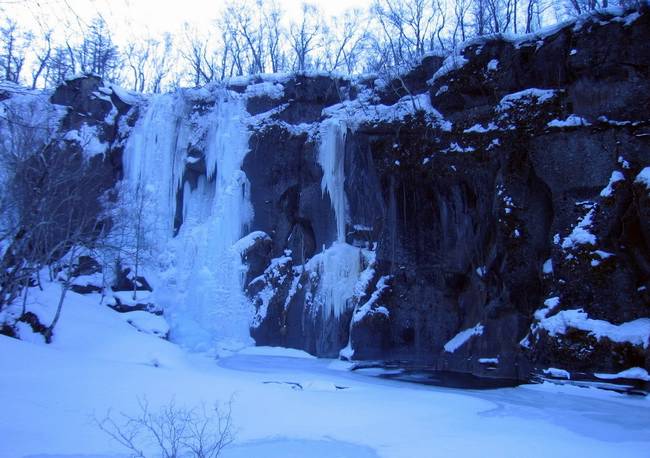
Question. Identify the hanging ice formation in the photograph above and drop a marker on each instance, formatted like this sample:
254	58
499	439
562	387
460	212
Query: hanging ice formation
331	157
201	274
340	265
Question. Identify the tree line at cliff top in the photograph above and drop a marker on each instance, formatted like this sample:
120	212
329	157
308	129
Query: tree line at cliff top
257	36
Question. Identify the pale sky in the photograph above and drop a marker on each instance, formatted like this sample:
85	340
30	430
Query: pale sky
129	19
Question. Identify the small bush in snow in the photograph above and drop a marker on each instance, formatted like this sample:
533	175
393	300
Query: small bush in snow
172	431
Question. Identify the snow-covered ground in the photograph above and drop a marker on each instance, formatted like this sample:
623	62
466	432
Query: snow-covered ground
286	403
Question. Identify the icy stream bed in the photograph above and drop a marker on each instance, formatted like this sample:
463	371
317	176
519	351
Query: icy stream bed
286	403
298	407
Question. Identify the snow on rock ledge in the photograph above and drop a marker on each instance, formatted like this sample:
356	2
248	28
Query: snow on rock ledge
525	97
462	337
609	189
557	373
644	178
275	351
635	332
247	242
147	322
637	373
580	234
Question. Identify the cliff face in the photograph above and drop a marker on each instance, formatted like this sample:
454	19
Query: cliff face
500	215
484	213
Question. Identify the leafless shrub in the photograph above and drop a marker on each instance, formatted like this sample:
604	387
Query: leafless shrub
172	431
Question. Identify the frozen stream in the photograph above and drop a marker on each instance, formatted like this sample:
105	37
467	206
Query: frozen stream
286	403
589	413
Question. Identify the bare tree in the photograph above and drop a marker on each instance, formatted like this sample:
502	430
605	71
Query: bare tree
303	36
54	206
249	27
481	18
137	57
233	57
461	12
577	7
174	431
197	53
275	34
43	55
250	37
55	218
493	8
14	47
58	67
128	240
344	40
26	131
149	62
96	53
161	65
534	11
102	54
409	28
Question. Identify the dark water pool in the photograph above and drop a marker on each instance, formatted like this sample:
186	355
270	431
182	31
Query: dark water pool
432	377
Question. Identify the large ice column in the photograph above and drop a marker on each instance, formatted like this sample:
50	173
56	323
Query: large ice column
154	160
215	313
331	157
200	274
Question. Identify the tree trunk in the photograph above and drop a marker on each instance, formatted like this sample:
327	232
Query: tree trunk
26	289
50	329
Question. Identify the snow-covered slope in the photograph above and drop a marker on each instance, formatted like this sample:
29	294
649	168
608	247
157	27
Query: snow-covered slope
283	405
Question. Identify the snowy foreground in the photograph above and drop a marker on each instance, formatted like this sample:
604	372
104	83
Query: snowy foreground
50	395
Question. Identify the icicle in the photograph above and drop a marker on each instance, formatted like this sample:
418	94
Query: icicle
331	157
339	269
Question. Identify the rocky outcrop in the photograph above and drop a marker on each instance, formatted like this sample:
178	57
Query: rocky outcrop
472	211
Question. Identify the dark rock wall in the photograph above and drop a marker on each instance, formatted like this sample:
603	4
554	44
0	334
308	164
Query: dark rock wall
464	235
286	192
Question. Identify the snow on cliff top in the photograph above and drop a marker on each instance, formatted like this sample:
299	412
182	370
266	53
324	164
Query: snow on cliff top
14	89
602	16
456	58
359	111
126	96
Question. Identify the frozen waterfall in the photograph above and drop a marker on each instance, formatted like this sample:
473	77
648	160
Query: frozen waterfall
339	266
187	151
331	157
200	282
